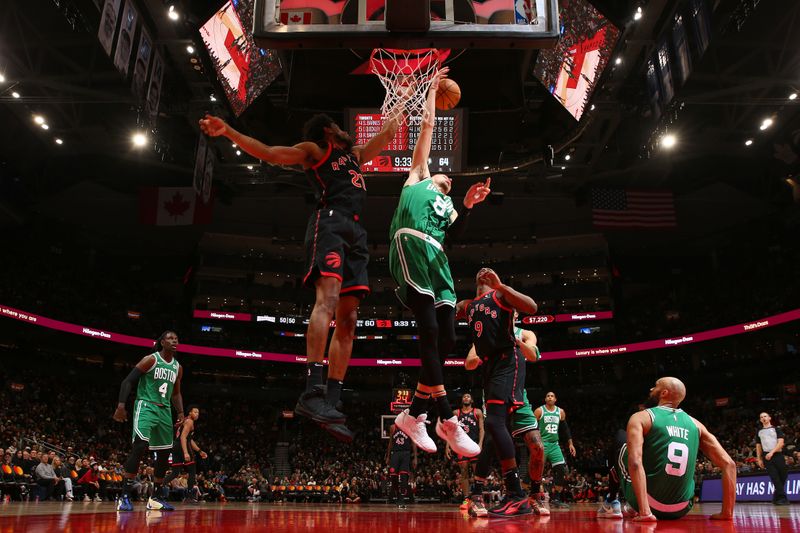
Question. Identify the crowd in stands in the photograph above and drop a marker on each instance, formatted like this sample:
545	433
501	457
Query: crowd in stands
59	444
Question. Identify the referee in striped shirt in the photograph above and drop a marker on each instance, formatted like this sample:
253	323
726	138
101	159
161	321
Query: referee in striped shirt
769	448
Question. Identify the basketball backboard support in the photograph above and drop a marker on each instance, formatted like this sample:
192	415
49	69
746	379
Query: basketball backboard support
359	24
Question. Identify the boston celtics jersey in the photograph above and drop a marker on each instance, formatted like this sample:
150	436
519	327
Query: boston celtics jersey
518	336
669	455
156	385
424	208
548	424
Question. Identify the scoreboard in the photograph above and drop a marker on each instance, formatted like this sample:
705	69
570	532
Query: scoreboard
401	399
446	145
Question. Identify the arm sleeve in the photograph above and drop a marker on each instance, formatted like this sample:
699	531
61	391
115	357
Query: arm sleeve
457	228
563	431
127	384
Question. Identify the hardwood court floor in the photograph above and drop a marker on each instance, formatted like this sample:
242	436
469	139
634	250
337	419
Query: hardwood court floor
375	518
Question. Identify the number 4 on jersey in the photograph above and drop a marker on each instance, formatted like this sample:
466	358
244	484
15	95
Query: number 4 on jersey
163	389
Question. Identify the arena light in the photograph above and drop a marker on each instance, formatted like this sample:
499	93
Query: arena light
45	127
748	142
213	98
238	152
2	78
791	96
190	49
59	141
618	61
567	157
249	167
638	14
563	168
766	123
173	13
39	119
15	94
591	108
486	167
669	141
139	139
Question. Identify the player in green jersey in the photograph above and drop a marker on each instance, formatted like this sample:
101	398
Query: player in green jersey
158	390
656	465
417	260
553	423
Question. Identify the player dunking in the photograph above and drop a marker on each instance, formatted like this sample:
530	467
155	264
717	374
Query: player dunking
418	263
336	248
183	453
523	425
553	421
398	457
471	420
655	468
159	388
491	321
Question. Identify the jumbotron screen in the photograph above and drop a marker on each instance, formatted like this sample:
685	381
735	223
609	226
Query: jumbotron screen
446	146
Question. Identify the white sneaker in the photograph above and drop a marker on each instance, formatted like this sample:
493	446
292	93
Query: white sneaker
610	510
86	498
452	432
415	428
98	499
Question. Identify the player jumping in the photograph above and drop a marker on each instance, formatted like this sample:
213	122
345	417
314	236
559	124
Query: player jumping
336	248
417	260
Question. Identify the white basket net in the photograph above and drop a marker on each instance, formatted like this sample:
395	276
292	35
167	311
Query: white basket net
406	75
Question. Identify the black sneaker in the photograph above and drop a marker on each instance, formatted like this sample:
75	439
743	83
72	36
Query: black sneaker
511	506
339	432
313	405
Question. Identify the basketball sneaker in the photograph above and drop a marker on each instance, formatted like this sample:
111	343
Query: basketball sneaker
628	511
452	432
124	503
315	406
476	506
415	428
511	506
464	505
540	503
339	432
157	504
610	510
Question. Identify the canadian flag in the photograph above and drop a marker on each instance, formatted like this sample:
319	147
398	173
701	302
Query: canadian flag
296	17
173	206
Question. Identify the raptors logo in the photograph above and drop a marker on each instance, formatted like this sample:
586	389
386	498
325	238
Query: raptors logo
333	260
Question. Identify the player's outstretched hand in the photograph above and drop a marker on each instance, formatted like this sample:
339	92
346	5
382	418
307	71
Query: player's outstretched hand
438	77
489	277
721	516
120	415
477	193
213	126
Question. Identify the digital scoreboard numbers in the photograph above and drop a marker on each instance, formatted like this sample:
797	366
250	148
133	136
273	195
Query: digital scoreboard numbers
401	399
446	145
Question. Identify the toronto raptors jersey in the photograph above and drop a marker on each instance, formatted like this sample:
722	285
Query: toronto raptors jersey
491	324
469	422
400	441
338	182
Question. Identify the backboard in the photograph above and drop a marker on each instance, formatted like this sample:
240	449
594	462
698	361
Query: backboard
359	24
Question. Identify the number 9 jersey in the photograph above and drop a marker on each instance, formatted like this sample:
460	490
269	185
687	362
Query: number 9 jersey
669	456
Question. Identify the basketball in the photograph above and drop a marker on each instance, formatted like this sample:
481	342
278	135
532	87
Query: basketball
448	95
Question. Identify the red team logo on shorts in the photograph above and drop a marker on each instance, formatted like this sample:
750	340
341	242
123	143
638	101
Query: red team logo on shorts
333	260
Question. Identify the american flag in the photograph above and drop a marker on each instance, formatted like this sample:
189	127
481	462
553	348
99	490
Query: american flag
625	208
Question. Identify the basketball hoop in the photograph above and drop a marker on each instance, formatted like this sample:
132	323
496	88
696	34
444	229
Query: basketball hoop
406	75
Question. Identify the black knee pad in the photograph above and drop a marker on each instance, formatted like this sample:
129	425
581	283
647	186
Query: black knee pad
559	473
138	451
162	461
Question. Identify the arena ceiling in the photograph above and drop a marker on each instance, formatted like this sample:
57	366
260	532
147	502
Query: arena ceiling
50	55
